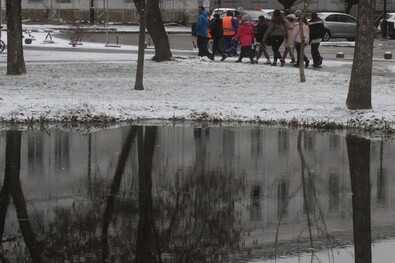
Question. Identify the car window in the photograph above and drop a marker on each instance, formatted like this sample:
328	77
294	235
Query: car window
348	19
333	18
254	14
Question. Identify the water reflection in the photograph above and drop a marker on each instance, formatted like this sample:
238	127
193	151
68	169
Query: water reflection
359	163
181	194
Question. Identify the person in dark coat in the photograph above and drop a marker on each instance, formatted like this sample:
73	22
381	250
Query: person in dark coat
202	26
278	33
261	29
217	31
317	31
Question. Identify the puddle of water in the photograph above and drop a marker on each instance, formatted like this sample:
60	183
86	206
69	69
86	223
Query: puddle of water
184	194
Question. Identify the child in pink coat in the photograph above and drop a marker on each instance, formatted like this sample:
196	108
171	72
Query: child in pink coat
245	33
298	42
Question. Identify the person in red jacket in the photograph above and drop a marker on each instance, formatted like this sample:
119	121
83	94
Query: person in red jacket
245	34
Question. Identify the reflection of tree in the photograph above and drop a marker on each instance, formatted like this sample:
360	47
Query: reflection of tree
200	210
307	204
200	218
13	183
381	178
115	190
74	232
311	204
359	162
147	242
4	201
190	219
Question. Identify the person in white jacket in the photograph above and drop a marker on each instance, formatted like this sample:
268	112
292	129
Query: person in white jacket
298	42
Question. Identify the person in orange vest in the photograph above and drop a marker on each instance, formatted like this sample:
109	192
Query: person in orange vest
230	25
217	31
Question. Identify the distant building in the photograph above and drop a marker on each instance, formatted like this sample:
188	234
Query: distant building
172	10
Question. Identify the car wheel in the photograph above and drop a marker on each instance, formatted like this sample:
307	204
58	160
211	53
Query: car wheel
326	36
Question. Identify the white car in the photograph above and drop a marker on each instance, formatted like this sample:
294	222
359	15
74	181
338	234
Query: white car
338	25
253	14
390	17
270	11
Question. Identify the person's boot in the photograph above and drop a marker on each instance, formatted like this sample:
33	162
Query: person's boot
268	62
224	56
292	61
282	62
306	63
274	64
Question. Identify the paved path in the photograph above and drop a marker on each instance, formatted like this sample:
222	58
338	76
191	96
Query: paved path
183	44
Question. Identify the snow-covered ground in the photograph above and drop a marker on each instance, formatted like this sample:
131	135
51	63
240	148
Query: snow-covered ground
66	85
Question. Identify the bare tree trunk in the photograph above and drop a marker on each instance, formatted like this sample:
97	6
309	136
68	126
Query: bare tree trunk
360	89
115	190
156	30
15	59
301	56
139	85
13	164
302	43
359	163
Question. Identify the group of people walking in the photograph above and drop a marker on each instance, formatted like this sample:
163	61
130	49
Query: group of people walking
282	29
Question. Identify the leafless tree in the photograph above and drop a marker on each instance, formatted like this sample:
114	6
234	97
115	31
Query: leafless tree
360	89
15	59
302	44
156	29
139	84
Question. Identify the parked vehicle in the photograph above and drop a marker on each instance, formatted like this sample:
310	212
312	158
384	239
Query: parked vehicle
270	11
2	44
390	17
338	25
253	14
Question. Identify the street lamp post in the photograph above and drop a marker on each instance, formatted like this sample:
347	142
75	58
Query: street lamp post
1	12
91	13
106	3
384	24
